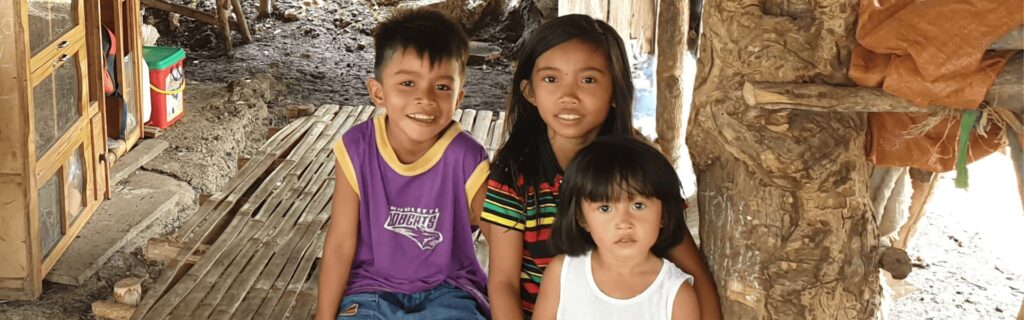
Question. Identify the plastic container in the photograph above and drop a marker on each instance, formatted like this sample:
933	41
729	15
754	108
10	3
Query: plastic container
167	84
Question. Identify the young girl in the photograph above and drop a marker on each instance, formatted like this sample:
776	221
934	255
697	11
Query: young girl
622	213
571	85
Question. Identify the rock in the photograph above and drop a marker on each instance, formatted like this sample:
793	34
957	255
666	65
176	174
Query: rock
294	14
896	262
480	52
467	12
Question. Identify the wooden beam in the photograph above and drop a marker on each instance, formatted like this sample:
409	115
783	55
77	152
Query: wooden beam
923	184
241	21
182	10
1013	40
1020	315
1006	92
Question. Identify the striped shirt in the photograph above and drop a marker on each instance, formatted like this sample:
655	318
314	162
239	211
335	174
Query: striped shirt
531	212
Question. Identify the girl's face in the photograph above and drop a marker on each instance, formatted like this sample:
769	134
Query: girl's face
571	86
625	227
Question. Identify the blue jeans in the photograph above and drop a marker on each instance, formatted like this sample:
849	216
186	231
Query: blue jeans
442	302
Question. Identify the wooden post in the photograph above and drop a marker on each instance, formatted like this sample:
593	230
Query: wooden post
673	24
128	291
223	23
785	220
243	24
266	8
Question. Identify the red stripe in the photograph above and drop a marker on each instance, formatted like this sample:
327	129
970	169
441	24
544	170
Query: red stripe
531	287
537	236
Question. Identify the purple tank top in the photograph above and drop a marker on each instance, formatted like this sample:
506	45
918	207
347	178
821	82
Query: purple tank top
414	231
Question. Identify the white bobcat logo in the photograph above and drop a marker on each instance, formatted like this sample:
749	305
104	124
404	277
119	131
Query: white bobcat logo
417	224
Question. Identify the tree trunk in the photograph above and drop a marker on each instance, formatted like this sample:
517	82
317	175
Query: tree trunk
786	220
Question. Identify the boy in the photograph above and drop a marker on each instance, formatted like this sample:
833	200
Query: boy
409	186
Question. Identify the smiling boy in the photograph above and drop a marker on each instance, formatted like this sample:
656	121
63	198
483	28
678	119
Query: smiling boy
408	186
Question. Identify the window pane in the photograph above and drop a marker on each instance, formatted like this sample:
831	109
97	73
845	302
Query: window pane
68	95
45	125
49	215
48	20
75	185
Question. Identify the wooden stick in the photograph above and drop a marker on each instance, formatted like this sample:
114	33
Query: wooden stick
112	310
923	189
223	24
266	9
242	22
128	291
822	97
182	10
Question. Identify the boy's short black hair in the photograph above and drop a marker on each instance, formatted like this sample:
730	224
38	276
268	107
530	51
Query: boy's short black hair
429	32
612	168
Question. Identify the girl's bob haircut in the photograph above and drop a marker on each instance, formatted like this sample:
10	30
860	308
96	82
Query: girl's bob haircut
613	168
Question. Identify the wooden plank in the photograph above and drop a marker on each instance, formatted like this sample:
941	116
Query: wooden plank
481	125
266	292
379	111
218	272
468	116
305	302
176	272
164	251
233	297
457	115
287	300
290	134
364	113
497	136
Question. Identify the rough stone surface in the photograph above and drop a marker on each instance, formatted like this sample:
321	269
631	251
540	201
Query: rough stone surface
215	131
147	205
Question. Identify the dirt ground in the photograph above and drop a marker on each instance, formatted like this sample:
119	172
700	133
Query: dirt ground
967	267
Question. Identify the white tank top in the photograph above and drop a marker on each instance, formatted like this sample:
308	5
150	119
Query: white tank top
580	297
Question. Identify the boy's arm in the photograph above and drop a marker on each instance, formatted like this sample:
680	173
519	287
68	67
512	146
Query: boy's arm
506	257
686	257
550	289
339	247
685	306
477	206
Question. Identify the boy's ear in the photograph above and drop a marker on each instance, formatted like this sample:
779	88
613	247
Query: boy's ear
376	90
528	92
458	99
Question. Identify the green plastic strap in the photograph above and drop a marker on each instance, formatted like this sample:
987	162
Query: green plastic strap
967	122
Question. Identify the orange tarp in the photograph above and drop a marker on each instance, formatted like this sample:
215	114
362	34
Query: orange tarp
930	52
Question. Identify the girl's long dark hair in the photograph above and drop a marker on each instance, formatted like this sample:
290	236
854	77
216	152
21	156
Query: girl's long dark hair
520	155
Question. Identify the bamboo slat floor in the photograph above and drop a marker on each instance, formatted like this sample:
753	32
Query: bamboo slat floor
260	239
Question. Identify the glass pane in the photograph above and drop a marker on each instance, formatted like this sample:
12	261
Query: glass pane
45	124
48	20
68	95
131	108
75	185
49	215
